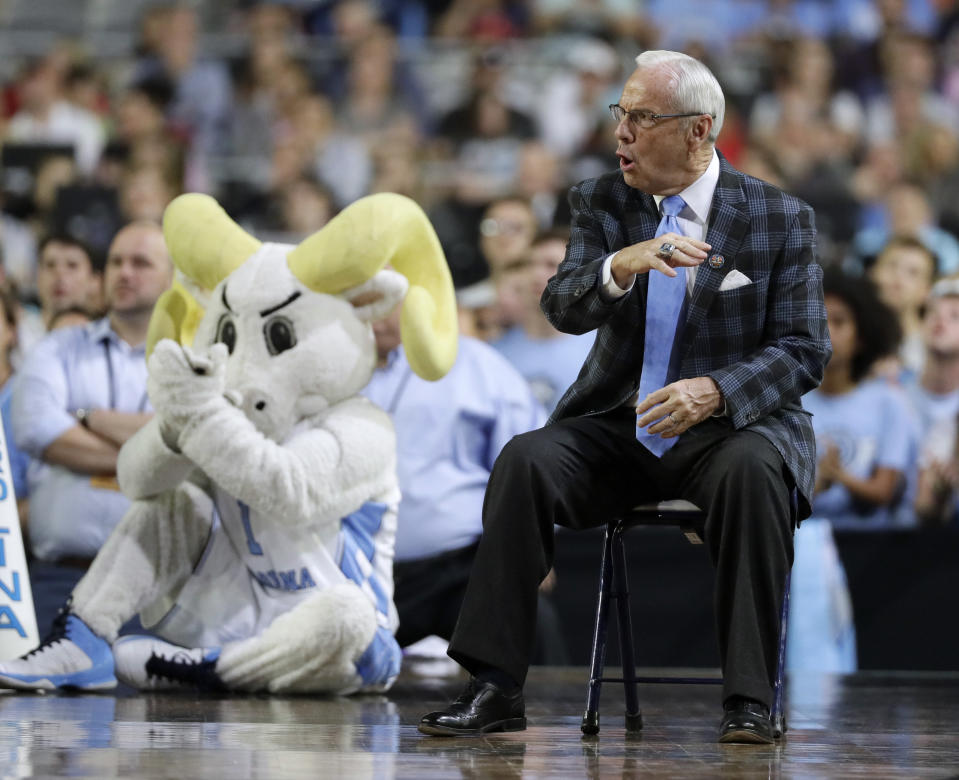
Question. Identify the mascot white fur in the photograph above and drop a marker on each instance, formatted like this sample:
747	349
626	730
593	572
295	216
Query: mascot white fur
259	544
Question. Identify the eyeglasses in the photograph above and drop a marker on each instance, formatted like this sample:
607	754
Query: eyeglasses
497	227
640	117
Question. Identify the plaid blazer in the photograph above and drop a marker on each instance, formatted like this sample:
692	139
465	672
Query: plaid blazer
765	343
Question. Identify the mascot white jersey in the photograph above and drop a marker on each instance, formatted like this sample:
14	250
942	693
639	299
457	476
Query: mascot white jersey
259	544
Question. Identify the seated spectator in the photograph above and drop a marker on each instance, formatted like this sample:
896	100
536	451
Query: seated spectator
257	77
54	173
805	96
46	117
340	161
934	397
66	277
866	443
506	233
377	95
483	136
869	31
864	428
539	181
456	219
142	131
448	434
80	395
909	101
145	191
579	94
283	129
27	471
548	359
202	95
906	212
18	253
903	274
809	132
399	169
306	206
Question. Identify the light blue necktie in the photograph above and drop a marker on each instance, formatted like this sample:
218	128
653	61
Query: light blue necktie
664	302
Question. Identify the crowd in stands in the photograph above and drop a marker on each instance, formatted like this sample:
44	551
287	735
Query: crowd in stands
485	113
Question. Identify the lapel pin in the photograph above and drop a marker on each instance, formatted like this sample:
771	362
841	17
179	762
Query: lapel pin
716	261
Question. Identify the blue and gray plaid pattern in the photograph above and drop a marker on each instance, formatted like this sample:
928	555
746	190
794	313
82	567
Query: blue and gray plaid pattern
765	344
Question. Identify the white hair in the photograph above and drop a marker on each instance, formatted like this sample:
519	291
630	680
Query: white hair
694	88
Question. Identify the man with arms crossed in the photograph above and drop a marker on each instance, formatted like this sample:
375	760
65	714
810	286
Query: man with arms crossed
80	395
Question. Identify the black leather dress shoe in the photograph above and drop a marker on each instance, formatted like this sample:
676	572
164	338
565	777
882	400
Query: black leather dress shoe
746	721
480	708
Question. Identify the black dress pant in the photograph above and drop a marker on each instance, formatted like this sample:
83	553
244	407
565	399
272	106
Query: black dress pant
582	471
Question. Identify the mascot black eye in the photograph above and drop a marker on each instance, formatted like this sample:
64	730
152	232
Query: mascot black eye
279	335
226	332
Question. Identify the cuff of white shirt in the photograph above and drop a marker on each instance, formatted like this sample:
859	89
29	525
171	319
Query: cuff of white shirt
610	287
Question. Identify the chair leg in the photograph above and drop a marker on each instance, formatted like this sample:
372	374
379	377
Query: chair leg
590	724
778	714
634	718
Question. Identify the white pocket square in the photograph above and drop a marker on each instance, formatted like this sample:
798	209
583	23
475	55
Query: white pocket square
733	280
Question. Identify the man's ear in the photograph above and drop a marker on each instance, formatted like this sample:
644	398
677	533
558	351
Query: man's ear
701	128
377	297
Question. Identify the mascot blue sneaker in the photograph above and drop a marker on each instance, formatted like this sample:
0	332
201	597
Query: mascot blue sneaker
71	658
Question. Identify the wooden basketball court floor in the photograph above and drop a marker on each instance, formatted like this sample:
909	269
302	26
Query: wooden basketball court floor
872	725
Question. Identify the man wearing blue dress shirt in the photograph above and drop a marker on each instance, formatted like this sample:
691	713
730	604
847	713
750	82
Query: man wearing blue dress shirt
79	396
448	434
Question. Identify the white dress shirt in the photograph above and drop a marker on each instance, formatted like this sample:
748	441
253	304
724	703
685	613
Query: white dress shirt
693	219
89	367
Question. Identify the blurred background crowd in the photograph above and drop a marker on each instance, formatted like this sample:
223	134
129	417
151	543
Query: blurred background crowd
485	112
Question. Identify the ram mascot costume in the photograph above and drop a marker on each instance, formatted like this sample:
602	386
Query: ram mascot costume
259	544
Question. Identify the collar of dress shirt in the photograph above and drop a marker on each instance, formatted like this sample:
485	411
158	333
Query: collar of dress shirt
100	329
699	194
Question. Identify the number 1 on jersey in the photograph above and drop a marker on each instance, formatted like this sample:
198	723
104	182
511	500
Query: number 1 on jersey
251	542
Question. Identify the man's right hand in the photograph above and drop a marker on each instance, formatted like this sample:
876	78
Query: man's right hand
645	256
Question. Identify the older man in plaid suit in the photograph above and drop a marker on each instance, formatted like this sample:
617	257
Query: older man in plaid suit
705	294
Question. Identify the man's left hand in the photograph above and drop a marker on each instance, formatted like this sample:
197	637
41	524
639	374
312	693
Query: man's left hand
679	406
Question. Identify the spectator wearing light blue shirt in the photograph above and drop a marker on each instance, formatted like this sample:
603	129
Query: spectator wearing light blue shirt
448	434
549	360
867	447
934	397
80	395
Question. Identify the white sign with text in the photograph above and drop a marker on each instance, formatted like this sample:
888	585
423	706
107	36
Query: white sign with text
18	620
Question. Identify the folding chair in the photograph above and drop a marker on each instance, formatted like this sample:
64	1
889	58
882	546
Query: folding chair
613	585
